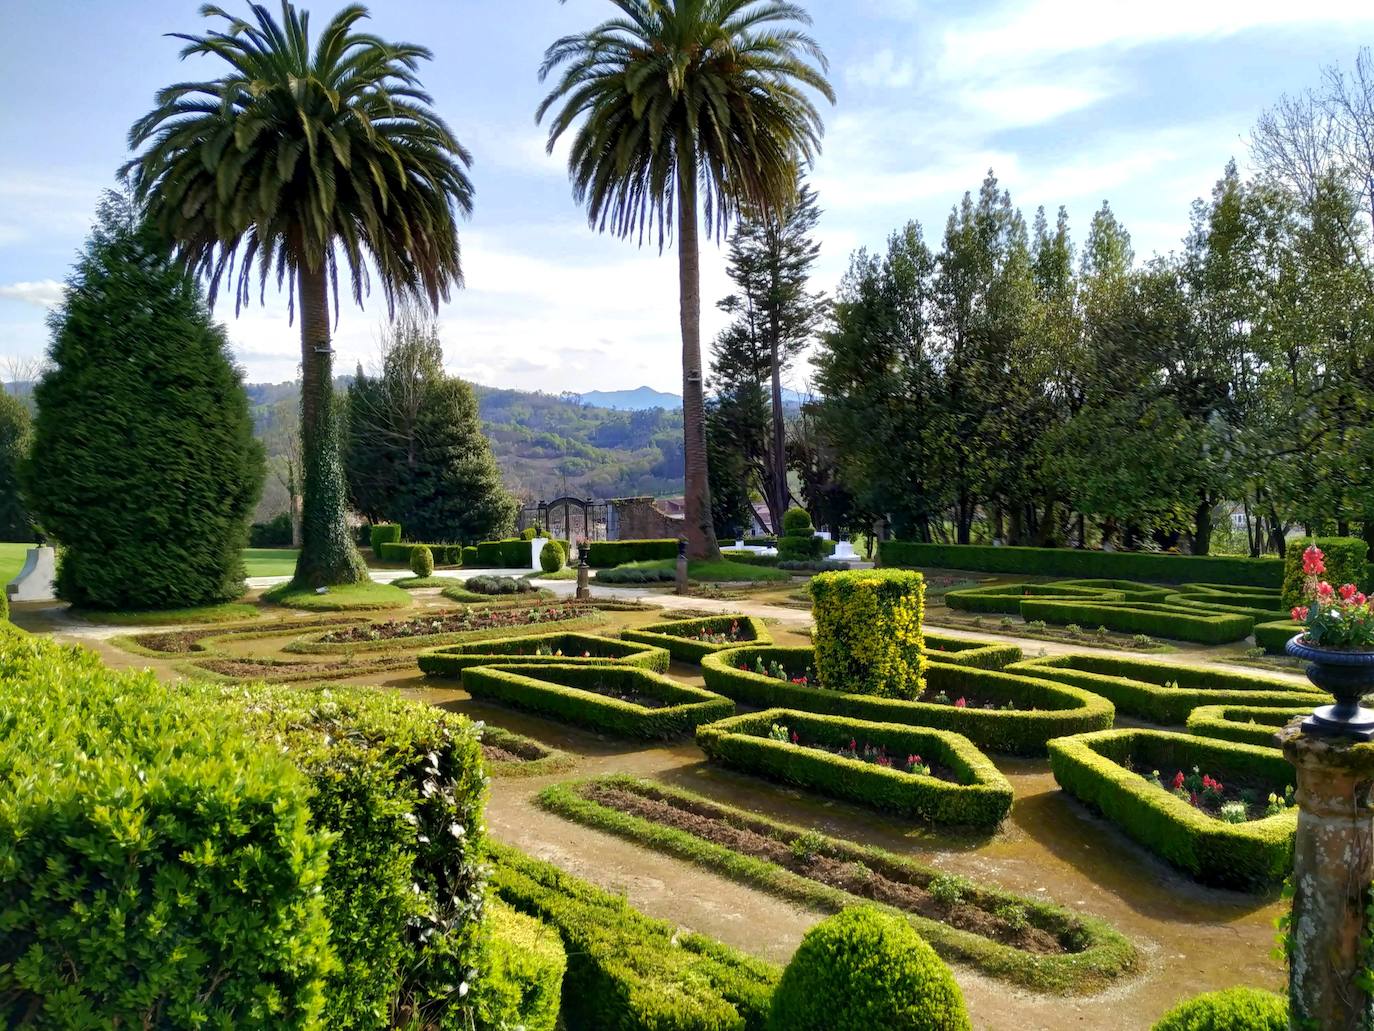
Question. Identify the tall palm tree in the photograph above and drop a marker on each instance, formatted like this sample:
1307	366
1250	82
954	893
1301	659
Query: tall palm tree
687	108
299	162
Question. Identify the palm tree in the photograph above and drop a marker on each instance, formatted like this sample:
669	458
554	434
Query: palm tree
677	97
297	163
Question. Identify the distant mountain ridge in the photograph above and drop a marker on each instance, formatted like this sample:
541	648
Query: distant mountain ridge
641	399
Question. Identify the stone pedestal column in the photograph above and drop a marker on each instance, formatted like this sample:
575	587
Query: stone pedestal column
583	591
1333	867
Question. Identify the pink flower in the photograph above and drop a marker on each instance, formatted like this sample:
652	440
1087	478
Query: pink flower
1178	780
1300	613
960	703
1313	561
1348	591
1325	592
795	737
1359	598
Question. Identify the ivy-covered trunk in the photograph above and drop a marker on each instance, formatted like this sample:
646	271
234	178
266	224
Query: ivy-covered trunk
697	526
328	555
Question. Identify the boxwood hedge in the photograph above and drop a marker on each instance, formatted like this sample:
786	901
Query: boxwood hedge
560	649
1132	590
868	630
627	971
1095	953
1248	856
1259	609
980	798
1007	598
523	962
1155	618
1044	709
961	651
400	553
607	554
1248	724
1153	567
1274	637
520	756
1162	692
680	636
585	695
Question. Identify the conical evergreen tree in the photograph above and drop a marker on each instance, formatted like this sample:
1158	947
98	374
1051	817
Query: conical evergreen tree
14	448
144	465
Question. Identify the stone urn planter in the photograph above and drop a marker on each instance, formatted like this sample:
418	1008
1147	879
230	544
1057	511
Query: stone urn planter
1348	674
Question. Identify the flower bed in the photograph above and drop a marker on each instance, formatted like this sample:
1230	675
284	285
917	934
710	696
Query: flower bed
1023	940
627	970
1044	709
1102	771
202	639
1164	693
541	649
1155	618
1248	724
824	760
284	671
691	640
615	699
959	651
505	754
440	628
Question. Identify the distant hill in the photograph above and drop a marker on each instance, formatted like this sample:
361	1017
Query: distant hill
638	400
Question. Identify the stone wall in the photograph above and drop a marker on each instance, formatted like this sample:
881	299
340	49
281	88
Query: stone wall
637	519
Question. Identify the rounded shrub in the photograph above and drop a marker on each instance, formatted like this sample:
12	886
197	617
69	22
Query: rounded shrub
422	560
796	520
552	558
1235	1009
866	968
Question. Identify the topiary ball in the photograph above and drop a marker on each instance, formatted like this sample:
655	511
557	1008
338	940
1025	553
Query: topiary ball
1235	1009
864	968
796	521
552	558
422	560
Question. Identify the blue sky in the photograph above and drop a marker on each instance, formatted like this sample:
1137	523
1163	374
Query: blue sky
1069	101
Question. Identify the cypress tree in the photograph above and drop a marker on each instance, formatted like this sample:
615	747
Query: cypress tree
15	524
144	465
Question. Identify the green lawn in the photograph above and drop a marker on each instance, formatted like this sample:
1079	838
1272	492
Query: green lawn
712	572
227	613
11	560
270	561
366	595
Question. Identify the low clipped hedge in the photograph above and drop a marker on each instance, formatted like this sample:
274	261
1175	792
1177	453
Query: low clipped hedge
1007	598
678	636
383	533
627	971
470	555
1233	1009
523	965
565	649
1096	954
608	554
866	968
1162	692
489	555
1154	618
959	651
1132	590
1247	856
982	798
569	692
1274	637
1248	724
1045	709
402	553
1240	605
1153	567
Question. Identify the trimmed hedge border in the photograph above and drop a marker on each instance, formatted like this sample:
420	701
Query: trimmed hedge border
451	660
629	971
399	554
1058	708
558	691
1073	562
311	644
1102	954
1247	724
1208	601
607	554
263	673
1155	618
959	651
543	759
1132	589
1007	598
982	798
524	962
1251	856
676	635
1138	686
1274	637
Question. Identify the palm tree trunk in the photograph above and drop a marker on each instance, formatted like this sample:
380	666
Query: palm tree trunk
701	535
328	555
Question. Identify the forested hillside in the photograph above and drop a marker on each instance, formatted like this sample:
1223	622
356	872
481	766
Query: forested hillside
546	444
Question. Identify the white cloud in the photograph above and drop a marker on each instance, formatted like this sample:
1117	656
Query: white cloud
45	293
883	69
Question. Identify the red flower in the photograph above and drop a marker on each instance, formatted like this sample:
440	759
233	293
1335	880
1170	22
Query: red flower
1325	592
795	737
1313	561
960	703
1178	780
1300	613
1359	598
1348	591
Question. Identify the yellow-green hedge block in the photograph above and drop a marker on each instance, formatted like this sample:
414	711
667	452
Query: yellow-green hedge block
868	631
